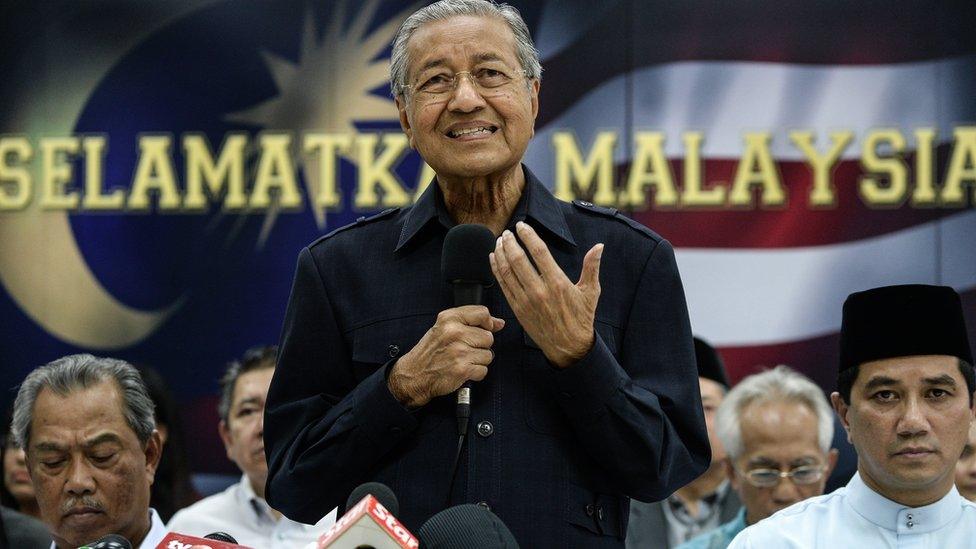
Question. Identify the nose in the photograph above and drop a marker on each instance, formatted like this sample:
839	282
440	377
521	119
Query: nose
912	422
785	492
466	96
80	480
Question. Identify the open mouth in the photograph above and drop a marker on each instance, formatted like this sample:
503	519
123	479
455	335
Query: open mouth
472	132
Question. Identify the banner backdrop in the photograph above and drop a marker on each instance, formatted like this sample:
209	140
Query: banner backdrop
162	163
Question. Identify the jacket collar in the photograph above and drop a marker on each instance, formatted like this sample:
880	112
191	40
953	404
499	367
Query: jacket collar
536	203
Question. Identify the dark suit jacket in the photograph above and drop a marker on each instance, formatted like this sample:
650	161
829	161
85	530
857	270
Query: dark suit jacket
24	532
565	448
648	527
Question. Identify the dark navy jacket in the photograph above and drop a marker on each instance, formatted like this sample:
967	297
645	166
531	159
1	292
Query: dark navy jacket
554	453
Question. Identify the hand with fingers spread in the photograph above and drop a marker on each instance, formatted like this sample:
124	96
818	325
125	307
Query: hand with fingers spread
457	348
556	313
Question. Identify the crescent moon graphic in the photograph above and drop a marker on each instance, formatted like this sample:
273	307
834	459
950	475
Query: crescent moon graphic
41	266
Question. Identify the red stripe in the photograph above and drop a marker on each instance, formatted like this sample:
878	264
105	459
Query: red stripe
793	225
816	358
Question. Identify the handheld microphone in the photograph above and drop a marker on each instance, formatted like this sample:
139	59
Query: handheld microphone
367	525
465	266
174	540
466	526
111	541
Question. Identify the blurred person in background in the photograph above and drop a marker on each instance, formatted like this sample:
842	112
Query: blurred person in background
704	503
173	489
17	529
241	509
776	427
966	467
17	492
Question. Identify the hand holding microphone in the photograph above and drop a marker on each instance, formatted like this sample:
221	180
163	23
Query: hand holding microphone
457	348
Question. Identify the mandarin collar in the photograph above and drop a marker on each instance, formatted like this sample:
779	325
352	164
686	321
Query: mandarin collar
536	203
899	518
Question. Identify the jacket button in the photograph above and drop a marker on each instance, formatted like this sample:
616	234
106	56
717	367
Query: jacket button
599	512
589	509
485	429
484	505
394	350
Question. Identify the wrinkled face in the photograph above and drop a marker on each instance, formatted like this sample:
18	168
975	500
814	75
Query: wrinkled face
91	475
966	467
909	419
782	436
16	478
243	432
712	394
470	131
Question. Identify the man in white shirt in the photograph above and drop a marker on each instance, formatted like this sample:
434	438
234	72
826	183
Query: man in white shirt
241	510
905	397
87	428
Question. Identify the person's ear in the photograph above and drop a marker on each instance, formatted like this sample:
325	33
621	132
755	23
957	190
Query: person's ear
841	408
154	453
401	105
226	437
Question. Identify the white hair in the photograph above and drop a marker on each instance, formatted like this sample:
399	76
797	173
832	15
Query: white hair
779	384
526	51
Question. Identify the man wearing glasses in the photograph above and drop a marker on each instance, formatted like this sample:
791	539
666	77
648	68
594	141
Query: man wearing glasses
582	355
905	397
776	427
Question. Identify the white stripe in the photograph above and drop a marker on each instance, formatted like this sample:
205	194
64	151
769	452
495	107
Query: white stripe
725	99
761	297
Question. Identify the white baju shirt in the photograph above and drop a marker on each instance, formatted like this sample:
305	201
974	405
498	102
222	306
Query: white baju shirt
857	516
157	531
239	512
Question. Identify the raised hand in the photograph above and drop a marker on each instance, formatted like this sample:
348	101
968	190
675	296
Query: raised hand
557	314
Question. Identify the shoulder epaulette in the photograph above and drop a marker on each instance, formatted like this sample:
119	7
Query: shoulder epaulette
615	214
360	221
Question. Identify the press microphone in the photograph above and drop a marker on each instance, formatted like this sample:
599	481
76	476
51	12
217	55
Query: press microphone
174	540
111	541
368	524
378	490
221	536
466	526
465	266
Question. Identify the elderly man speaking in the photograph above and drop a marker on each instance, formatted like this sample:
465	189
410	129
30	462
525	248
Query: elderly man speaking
585	388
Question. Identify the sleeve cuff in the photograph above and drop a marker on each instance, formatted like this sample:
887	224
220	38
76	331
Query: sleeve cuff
388	420
584	388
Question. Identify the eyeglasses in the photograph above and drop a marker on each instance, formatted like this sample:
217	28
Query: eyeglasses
767	478
489	81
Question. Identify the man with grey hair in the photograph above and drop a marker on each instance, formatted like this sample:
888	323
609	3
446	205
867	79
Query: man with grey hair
776	427
241	509
582	355
86	425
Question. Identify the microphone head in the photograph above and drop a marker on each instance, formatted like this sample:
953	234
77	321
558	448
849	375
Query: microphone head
380	491
466	526
464	257
111	541
221	536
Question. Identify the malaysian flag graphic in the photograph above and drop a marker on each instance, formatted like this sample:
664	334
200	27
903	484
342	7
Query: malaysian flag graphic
725	86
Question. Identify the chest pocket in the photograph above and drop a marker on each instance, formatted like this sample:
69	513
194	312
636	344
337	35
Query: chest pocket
377	343
542	409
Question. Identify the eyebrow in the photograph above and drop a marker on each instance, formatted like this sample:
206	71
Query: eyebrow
880	381
101	439
249	400
944	379
440	61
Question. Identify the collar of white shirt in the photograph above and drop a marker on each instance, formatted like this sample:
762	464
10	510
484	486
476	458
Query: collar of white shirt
894	516
157	531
